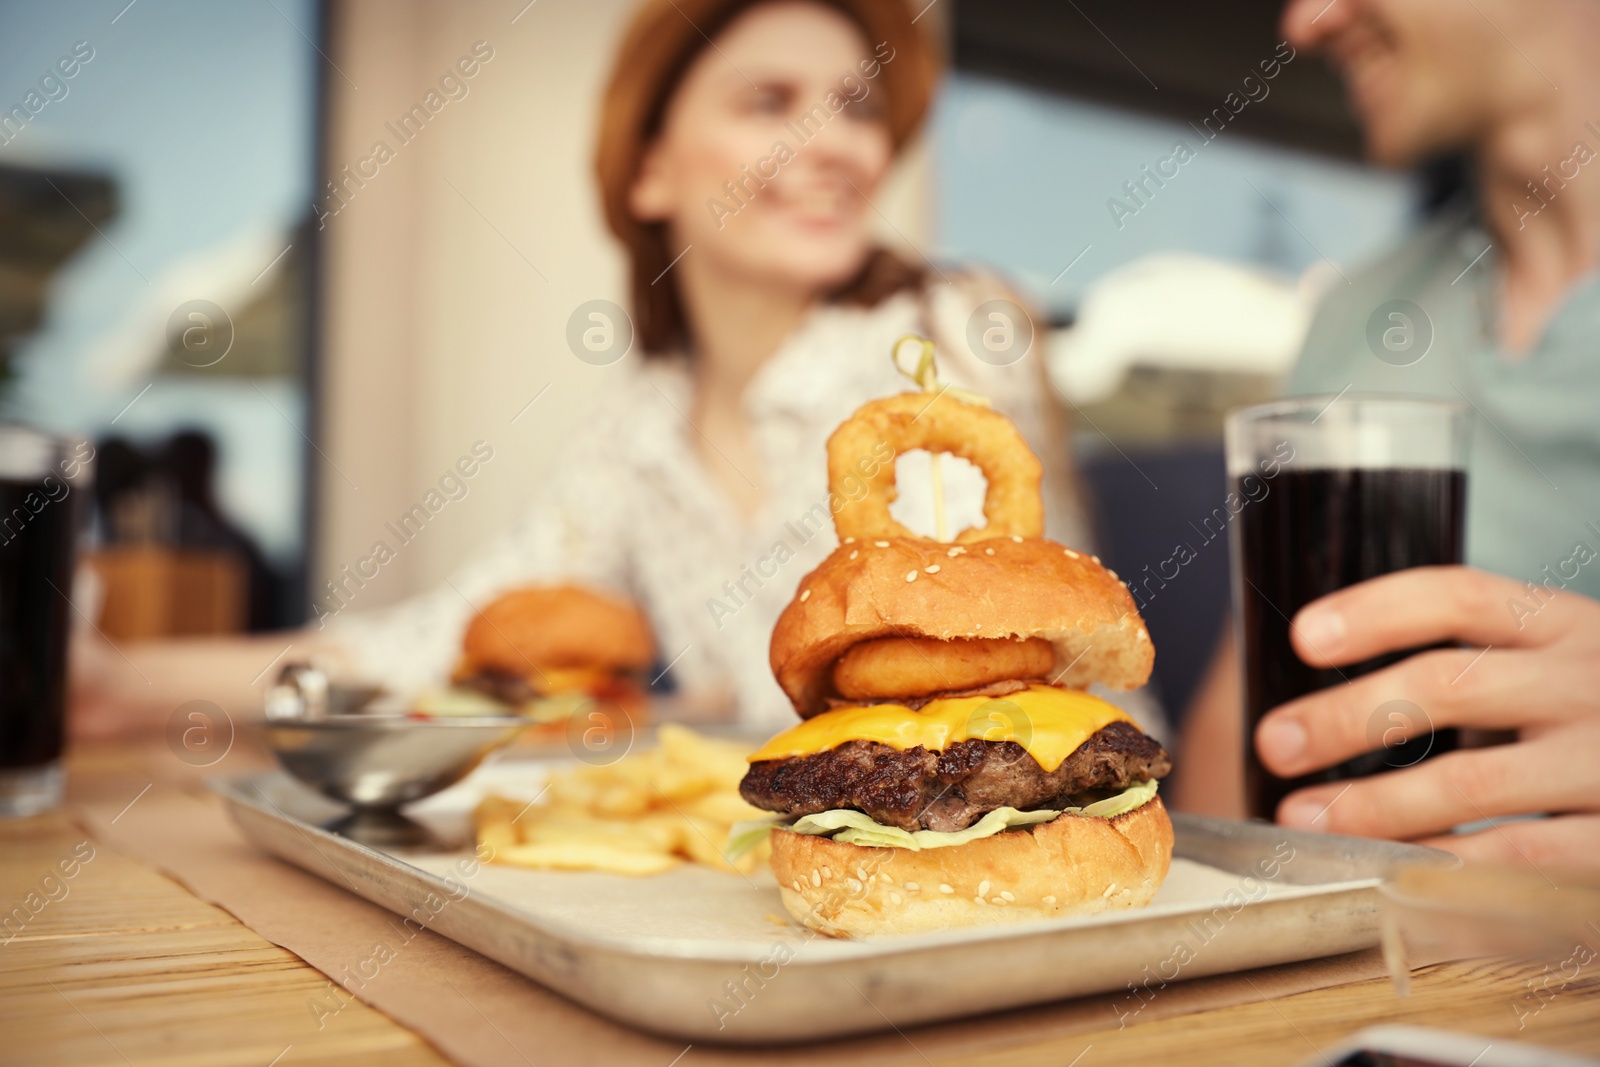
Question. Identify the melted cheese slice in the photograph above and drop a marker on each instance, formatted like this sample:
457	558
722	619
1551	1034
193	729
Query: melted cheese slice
1050	723
553	680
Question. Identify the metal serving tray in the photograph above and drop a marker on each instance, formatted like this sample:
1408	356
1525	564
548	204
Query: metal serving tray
708	956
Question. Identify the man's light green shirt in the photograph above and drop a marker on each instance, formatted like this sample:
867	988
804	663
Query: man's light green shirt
1533	484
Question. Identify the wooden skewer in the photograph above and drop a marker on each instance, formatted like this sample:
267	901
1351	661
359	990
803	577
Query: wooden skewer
926	376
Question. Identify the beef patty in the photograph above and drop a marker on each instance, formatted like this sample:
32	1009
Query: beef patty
516	690
503	686
917	789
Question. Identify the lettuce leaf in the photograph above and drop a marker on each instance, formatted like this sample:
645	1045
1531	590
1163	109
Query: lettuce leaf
856	828
746	835
558	707
1135	796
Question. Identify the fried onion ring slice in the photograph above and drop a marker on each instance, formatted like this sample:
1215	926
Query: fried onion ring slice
887	668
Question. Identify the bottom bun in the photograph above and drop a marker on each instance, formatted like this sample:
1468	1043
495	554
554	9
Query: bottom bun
1072	865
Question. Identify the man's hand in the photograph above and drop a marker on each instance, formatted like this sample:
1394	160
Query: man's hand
1533	669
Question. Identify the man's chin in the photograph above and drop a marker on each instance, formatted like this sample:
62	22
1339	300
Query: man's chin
1397	149
1402	138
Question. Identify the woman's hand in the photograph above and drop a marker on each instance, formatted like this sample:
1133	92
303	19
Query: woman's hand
132	690
1532	666
103	691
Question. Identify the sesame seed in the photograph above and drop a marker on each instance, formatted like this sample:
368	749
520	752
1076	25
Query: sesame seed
896	898
1112	888
988	552
983	888
827	872
1049	900
854	553
805	595
1071	554
796	885
816	878
855	886
1095	558
861	873
1112	573
881	544
849	540
911	576
932	568
1016	538
885	879
979	900
945	888
1143	636
1005	894
997	900
912	887
956	551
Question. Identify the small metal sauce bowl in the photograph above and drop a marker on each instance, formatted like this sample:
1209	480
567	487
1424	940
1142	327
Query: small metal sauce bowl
376	762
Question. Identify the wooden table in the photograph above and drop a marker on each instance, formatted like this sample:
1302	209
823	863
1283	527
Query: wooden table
130	968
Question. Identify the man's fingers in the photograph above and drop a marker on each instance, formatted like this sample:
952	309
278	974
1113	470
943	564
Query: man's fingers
1549	847
1449	790
1420	607
1431	690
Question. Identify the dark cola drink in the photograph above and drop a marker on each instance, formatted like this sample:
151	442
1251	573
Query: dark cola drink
1343	508
38	535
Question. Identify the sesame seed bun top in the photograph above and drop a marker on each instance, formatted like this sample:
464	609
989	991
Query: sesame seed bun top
1007	587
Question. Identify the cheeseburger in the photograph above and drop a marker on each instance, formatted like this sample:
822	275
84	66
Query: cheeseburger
548	650
950	769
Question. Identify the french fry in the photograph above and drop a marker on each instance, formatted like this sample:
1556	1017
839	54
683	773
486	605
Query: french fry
570	790
682	783
493	821
705	841
666	828
755	859
644	814
623	799
721	761
726	808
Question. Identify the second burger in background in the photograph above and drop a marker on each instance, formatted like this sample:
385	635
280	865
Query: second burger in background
546	651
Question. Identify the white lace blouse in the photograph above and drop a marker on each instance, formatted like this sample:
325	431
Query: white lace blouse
630	507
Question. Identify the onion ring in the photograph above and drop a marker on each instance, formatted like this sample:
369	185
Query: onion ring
1012	504
899	667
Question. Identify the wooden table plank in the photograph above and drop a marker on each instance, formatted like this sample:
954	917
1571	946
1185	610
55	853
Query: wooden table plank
108	892
128	966
1473	998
